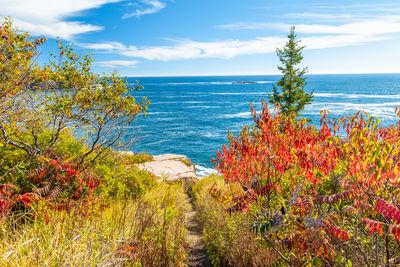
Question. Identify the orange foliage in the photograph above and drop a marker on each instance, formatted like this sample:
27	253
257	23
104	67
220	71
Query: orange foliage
347	170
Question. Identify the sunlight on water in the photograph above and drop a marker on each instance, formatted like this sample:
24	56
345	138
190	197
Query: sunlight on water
191	115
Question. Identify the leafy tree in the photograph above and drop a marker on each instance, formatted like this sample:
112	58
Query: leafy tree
289	90
57	119
38	103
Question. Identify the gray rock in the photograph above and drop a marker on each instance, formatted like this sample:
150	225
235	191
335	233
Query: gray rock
171	167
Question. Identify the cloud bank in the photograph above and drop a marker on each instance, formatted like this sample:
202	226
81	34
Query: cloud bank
188	49
48	17
317	36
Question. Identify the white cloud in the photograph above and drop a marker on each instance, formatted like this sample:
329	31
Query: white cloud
108	46
116	63
374	26
367	27
330	41
48	17
188	49
151	7
319	35
326	17
250	26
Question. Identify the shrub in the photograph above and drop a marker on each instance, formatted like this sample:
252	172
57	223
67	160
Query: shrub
139	158
57	120
227	237
321	196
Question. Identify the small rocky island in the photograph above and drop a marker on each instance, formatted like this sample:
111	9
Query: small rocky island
244	82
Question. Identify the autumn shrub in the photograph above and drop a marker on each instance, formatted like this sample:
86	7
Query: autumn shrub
227	237
147	231
319	196
59	121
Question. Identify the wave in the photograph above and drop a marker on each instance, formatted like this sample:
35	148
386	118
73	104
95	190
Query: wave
356	105
194	102
237	115
204	83
355	95
168	102
339	109
241	93
202	107
180	102
221	83
211	135
163	119
203	171
159	112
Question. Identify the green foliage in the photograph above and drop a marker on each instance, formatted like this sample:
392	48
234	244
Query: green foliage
289	90
139	158
57	121
187	162
121	179
39	102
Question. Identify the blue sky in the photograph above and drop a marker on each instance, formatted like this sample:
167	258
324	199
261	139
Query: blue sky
216	37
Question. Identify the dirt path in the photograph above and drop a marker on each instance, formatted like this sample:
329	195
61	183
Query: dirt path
198	253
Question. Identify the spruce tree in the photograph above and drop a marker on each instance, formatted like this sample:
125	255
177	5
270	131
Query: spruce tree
289	90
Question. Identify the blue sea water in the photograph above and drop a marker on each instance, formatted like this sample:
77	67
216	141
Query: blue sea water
191	115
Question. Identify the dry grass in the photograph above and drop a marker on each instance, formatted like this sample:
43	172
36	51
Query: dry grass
227	237
143	232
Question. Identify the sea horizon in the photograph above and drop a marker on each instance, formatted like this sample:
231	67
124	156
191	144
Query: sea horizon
235	75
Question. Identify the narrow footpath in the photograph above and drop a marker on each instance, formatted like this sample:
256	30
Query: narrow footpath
198	252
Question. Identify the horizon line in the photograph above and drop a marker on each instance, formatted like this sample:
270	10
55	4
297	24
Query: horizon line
275	74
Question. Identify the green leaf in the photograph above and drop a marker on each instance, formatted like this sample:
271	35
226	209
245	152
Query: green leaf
339	259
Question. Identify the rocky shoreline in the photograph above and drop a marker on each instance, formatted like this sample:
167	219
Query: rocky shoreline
170	167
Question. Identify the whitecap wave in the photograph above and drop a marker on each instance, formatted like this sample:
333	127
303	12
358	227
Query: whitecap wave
159	112
211	135
203	171
163	119
355	95
222	83
237	115
241	93
201	83
202	107
195	102
338	109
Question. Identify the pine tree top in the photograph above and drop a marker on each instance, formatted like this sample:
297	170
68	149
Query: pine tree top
289	90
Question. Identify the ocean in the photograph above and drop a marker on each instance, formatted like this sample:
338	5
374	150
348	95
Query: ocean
191	115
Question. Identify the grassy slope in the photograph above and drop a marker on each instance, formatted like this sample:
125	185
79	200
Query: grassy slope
227	237
147	231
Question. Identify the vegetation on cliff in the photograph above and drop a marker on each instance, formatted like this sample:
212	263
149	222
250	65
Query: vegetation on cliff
66	196
290	194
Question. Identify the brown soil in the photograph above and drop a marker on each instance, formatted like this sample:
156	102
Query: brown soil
197	253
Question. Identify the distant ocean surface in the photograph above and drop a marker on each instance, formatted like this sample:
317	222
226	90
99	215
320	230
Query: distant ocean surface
191	115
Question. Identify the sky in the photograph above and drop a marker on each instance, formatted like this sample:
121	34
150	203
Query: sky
216	37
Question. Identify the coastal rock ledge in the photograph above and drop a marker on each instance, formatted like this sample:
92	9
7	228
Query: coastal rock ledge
171	167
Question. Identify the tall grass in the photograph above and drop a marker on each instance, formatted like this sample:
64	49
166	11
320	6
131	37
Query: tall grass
227	237
144	232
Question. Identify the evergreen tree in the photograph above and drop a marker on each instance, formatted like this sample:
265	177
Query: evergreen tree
289	90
